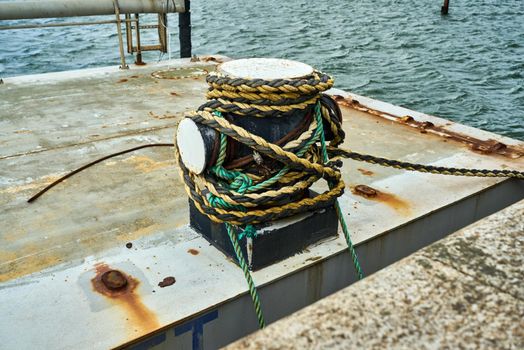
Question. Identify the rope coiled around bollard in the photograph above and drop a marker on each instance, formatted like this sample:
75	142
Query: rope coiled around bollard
244	196
239	195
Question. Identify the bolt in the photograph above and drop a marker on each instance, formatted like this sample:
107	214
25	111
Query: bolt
114	280
488	148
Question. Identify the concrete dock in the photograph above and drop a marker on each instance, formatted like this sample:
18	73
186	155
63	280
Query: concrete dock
463	292
130	213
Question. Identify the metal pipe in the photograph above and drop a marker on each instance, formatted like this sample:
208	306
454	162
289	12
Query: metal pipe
129	33
116	8
147	48
184	32
162	31
71	8
66	24
138	42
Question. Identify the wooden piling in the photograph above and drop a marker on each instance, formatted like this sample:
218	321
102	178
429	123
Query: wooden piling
444	9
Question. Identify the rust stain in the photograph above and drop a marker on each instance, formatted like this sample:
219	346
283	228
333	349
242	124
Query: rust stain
164	116
314	258
345	102
174	93
398	204
488	146
140	228
122	81
366	172
21	266
25	258
146	164
181	73
193	251
366	191
166	282
134	76
23	131
114	280
211	59
24	261
126	298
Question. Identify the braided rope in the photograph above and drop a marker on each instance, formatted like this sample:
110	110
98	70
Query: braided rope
252	288
338	152
243	197
351	248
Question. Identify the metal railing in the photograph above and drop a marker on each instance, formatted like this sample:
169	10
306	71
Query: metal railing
16	10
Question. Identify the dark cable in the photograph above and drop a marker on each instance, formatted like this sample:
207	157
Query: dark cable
48	187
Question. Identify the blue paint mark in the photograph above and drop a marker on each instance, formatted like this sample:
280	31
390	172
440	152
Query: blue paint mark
197	326
149	343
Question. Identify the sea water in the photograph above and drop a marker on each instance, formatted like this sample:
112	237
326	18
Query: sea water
467	66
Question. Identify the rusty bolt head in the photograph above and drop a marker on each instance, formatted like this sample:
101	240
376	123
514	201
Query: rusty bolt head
114	280
366	190
168	281
488	147
426	125
484	148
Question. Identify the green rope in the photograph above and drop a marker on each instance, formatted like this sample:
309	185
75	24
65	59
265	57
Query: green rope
316	136
352	251
242	262
240	182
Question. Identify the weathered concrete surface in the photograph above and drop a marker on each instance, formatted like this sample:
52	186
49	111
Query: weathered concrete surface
53	123
52	249
465	291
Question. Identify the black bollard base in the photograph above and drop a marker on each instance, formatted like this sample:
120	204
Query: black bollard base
273	242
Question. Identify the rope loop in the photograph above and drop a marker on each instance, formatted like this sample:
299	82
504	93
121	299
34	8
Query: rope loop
273	181
249	232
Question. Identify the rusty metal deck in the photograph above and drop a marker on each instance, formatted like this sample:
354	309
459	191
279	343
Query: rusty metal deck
52	249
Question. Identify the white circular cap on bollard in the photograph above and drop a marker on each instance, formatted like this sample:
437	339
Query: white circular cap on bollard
195	143
191	146
265	68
